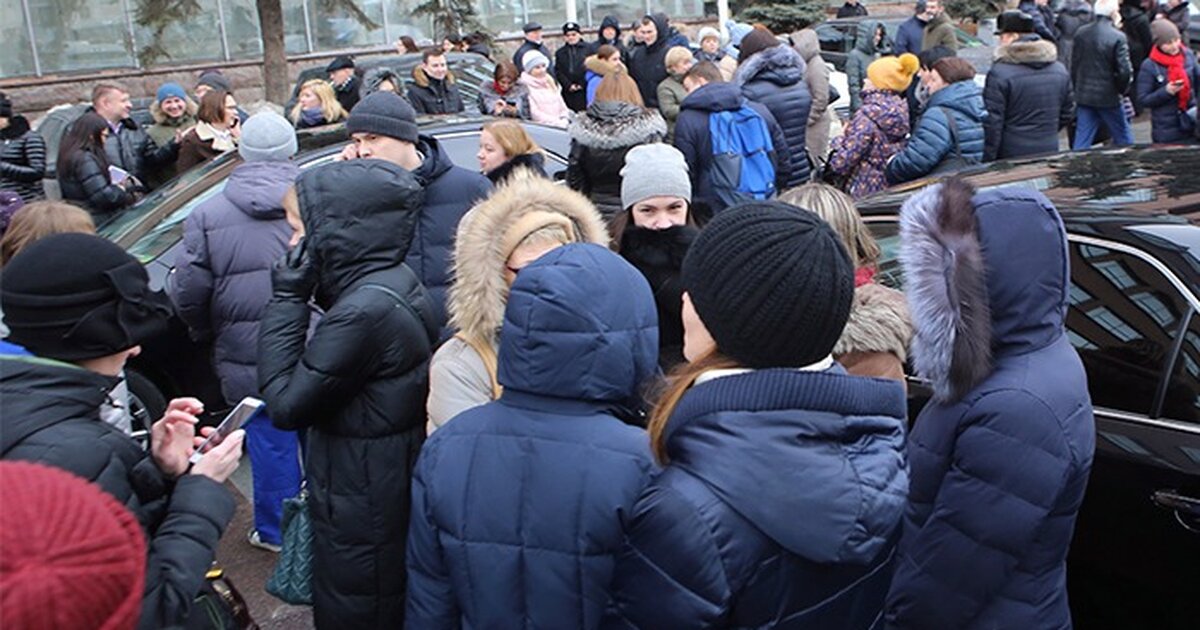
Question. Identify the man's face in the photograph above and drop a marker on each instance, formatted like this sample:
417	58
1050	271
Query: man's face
534	36
201	90
339	76
648	33
385	148
933	8
1007	38
572	37
691	84
608	33
114	106
435	67
1172	47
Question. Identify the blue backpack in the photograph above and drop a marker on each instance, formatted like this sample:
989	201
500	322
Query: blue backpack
742	169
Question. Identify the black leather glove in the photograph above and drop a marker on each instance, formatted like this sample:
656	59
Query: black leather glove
294	275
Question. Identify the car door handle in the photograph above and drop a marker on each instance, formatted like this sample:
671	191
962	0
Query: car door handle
1186	509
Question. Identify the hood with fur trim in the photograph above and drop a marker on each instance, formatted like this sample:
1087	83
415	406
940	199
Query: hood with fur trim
879	322
971	309
780	65
601	66
1030	52
479	293
614	124
422	80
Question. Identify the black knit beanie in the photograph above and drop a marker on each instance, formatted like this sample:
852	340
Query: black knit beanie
384	114
772	283
78	296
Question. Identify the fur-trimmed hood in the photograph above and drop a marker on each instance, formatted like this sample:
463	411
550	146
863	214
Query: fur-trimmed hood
602	67
970	309
1030	52
375	76
879	322
422	80
479	293
613	125
780	65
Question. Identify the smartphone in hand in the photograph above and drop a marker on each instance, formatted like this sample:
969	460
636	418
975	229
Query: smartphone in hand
245	410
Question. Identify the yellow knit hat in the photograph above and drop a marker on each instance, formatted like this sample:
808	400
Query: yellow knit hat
893	73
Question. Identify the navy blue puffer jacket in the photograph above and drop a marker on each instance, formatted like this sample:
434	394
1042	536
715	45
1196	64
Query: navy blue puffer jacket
775	78
999	460
780	506
930	142
517	505
1167	121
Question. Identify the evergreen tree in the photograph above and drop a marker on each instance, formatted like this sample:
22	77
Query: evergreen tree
782	16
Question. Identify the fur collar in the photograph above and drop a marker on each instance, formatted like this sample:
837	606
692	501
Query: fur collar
879	322
532	161
479	293
614	125
602	67
422	80
1035	51
660	250
947	288
781	59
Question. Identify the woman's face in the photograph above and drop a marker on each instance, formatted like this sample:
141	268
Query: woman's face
710	45
538	71
490	154
934	81
1172	47
524	255
386	86
173	107
660	213
505	82
681	68
231	111
697	341
309	99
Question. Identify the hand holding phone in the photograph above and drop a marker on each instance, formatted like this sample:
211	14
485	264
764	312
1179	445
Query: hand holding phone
243	412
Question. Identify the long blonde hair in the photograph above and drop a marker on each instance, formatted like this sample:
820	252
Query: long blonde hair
677	383
331	109
512	138
837	209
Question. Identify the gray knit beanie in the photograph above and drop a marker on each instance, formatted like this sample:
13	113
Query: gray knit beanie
654	170
267	137
384	114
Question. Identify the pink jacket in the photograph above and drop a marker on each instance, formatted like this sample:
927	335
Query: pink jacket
546	103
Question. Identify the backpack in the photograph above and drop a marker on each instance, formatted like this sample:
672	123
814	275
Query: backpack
741	169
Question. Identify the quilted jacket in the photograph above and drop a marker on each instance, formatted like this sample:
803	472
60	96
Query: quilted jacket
775	78
1167	121
1028	97
600	138
930	142
22	159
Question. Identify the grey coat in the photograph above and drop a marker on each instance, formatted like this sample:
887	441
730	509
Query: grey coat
816	75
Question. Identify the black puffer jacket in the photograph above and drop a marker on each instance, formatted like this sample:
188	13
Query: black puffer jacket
133	150
1135	23
348	93
86	181
535	162
775	78
433	96
648	64
600	138
658	254
52	416
359	385
1100	65
22	159
1028	97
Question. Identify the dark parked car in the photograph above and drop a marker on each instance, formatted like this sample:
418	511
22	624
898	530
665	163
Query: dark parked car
1133	223
837	40
470	69
152	230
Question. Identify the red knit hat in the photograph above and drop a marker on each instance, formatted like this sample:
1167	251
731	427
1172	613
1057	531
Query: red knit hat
71	556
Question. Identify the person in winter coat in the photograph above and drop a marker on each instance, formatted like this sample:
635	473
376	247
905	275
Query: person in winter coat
816	77
1027	93
708	95
317	106
710	51
671	91
762	517
345	85
609	33
381	78
648	61
546	104
606	61
128	146
1101	72
22	154
358	384
938	29
1177	12
999	458
83	169
1167	84
569	69
215	133
434	89
1072	15
654	233
615	123
878	130
1041	27
504	95
550	470
952	125
876	337
515	226
533	41
910	32
173	111
221	286
918	92
850	9
773	74
505	147
871	36
1135	23
384	126
78	307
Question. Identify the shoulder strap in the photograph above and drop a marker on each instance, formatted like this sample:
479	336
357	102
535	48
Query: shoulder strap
953	131
490	361
404	303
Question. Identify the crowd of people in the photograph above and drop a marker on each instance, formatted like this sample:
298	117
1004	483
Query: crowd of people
669	393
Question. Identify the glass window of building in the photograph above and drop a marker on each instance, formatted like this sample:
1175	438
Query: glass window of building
401	20
501	17
241	29
18	58
551	14
626	11
195	39
338	28
295	27
678	9
79	34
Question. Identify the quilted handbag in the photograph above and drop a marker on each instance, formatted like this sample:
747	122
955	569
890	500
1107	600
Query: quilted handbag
292	579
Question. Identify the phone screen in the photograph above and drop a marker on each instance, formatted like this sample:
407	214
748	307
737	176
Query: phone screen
248	408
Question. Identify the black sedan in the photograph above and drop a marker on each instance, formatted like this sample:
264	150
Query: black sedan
1132	219
470	71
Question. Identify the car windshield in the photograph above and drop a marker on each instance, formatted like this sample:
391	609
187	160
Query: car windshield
115	226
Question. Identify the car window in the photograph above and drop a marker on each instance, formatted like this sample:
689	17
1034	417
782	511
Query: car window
1123	319
170	230
1182	399
887	235
463	148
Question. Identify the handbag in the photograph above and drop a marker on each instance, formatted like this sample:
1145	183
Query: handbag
834	94
219	606
956	162
291	581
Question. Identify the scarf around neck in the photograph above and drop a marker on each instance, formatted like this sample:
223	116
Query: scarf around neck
313	117
1175	72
